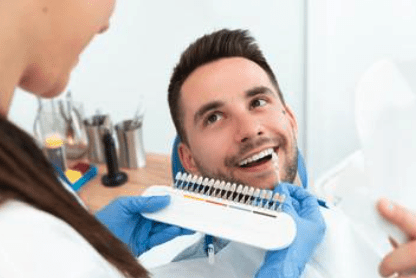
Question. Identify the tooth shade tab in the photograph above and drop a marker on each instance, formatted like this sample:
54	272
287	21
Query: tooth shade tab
177	179
221	188
275	201
216	185
238	193
193	184
231	192
184	176
202	186
181	180
249	195
198	185
262	199
276	197
256	193
244	194
208	187
255	198
187	182
269	195
227	186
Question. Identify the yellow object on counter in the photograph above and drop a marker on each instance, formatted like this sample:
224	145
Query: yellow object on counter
54	141
73	175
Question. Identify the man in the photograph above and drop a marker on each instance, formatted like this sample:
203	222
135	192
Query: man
230	116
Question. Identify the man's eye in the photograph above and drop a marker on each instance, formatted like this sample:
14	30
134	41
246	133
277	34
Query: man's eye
212	118
258	103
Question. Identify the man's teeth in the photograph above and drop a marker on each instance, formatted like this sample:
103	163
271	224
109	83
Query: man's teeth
257	156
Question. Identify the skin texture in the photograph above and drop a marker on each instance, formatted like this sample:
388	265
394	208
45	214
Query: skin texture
246	117
43	41
402	260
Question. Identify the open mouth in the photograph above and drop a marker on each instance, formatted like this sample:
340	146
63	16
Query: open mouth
257	159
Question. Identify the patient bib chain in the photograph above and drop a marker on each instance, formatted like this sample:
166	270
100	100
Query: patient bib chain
210	249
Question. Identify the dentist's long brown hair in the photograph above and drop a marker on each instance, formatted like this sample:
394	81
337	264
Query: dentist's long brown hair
26	175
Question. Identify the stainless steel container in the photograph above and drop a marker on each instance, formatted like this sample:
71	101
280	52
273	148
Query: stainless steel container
130	140
96	128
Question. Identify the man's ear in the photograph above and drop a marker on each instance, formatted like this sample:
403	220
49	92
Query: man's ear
188	162
292	119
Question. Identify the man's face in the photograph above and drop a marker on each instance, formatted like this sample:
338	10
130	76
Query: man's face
232	116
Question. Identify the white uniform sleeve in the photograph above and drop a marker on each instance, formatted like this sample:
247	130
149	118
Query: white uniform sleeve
36	244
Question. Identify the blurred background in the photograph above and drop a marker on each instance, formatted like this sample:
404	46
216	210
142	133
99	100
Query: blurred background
318	50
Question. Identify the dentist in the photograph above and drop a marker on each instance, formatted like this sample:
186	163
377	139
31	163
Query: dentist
44	230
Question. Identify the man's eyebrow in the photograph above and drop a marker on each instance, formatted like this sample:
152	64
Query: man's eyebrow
206	108
259	90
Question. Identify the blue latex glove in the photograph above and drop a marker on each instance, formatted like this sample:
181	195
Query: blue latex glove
123	218
304	208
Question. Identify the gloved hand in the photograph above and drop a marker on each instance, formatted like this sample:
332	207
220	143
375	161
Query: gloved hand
291	261
123	218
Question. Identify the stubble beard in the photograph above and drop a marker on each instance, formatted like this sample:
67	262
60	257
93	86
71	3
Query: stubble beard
287	175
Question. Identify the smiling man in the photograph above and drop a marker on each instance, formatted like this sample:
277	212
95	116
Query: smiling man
230	113
231	118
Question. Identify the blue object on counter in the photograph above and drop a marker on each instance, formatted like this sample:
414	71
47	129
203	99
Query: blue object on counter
89	175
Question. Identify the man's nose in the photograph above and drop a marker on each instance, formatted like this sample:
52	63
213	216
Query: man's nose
247	127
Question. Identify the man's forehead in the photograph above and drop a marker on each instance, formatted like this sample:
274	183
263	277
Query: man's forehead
222	79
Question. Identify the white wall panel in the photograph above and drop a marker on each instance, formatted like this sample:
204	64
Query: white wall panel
137	55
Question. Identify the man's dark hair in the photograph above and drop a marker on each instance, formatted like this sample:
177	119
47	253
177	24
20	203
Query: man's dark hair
209	48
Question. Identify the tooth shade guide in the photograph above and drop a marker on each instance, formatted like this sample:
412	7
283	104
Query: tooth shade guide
217	191
218	216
